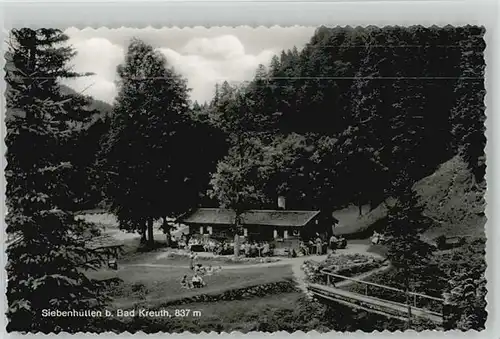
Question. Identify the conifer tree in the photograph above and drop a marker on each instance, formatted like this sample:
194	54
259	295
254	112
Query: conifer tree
46	250
409	254
155	165
231	184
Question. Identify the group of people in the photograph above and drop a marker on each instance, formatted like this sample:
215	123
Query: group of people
377	238
223	248
253	249
312	247
319	246
195	282
316	245
208	244
199	271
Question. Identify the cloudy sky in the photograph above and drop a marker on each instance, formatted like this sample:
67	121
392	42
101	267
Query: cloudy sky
204	56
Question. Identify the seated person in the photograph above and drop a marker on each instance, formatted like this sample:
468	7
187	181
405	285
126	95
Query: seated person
211	245
199	268
202	269
266	249
253	250
305	249
333	241
185	283
312	248
197	281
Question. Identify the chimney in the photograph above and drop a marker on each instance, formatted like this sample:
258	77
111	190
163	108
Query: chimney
281	202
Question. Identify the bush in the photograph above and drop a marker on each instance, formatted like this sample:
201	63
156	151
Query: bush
441	242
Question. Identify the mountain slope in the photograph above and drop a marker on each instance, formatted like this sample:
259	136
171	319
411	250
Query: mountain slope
451	199
103	107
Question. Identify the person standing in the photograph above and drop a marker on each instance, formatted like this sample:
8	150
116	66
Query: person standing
333	242
191	260
319	245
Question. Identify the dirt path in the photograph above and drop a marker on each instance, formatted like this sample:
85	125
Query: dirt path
295	262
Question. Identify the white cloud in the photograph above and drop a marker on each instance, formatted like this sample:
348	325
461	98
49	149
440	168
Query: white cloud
207	61
203	56
101	57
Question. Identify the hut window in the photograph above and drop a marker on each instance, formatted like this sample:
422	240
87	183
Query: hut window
279	233
210	230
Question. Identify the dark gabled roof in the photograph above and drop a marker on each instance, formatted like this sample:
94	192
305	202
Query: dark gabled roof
221	216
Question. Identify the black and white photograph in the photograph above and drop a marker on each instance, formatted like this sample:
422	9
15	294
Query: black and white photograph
249	179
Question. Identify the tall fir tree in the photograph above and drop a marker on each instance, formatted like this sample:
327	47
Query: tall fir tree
362	142
46	249
153	151
409	254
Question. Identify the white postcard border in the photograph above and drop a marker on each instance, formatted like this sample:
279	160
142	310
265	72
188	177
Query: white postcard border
189	13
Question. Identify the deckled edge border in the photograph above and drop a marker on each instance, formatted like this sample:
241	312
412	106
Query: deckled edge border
137	14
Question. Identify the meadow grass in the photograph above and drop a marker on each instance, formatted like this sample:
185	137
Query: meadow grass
157	285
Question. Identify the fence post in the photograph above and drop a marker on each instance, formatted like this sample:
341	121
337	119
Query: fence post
409	308
328	280
366	289
414	300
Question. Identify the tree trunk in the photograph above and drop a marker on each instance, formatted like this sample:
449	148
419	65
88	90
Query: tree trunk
236	245
236	236
151	239
143	232
408	300
166	229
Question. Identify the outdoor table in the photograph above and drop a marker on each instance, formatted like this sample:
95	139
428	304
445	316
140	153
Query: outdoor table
197	248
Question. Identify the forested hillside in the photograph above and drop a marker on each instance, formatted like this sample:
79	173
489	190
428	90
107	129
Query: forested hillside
103	108
343	120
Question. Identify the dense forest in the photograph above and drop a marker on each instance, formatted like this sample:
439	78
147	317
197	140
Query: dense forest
358	108
355	117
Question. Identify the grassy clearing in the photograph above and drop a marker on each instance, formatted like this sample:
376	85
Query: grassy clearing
156	285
